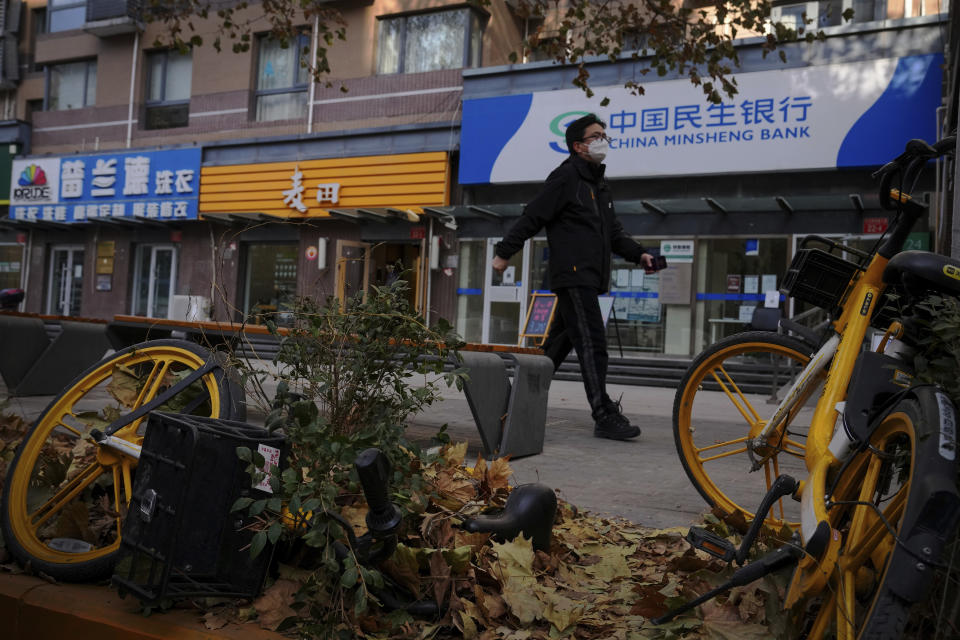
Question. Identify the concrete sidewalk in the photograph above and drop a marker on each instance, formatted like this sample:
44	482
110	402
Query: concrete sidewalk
641	479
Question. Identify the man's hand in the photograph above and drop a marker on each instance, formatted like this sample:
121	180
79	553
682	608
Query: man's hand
647	261
499	264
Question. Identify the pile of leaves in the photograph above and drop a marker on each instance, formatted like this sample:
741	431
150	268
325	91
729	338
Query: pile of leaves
602	578
12	430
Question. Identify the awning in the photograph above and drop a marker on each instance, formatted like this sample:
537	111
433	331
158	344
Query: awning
868	204
382	215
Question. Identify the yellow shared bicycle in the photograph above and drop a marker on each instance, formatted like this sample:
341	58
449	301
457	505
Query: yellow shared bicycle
867	454
68	487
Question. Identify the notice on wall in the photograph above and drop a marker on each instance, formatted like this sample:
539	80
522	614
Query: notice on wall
769	282
733	283
746	312
751	284
675	284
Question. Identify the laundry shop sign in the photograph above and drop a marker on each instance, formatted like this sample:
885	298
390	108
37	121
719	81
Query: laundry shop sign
814	117
161	185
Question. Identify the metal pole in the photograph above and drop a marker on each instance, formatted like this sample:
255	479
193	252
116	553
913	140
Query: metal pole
133	84
313	83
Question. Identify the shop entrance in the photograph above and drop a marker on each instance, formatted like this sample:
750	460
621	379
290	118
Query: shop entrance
154	280
353	269
504	302
65	286
392	260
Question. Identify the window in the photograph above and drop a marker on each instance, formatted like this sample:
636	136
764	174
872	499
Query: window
429	41
792	16
829	14
168	89
72	85
154	280
66	14
11	265
38	26
270	282
866	10
281	80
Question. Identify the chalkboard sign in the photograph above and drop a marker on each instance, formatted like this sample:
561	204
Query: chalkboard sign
539	317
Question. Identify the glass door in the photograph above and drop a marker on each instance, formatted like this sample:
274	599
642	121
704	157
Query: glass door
154	280
353	269
506	294
270	282
65	285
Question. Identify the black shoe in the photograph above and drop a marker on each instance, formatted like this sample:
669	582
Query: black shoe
615	426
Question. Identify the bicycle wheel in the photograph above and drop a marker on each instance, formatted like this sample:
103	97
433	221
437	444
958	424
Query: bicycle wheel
724	400
901	476
65	497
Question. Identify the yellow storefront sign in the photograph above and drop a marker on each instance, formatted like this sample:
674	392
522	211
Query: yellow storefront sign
311	188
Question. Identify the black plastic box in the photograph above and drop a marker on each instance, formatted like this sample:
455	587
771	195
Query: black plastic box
180	538
818	277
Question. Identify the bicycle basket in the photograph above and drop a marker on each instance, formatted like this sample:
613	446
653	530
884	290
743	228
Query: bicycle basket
180	538
818	277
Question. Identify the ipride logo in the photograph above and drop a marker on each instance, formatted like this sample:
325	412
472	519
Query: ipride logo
558	126
32	175
33	184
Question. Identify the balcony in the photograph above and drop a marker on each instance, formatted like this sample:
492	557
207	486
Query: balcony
113	17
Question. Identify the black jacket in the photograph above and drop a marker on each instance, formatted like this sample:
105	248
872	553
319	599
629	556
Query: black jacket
576	207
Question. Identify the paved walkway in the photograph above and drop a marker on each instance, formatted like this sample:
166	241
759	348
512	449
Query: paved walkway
641	480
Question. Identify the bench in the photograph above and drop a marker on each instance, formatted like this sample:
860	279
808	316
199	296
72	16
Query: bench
34	364
506	391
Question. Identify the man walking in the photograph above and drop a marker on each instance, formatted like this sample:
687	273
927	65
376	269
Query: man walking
576	207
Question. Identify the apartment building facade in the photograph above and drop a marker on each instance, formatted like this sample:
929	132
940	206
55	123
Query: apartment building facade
225	185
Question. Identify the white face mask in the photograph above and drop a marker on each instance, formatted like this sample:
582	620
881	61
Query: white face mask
597	150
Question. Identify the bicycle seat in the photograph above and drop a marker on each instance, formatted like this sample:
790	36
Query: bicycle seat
922	270
530	510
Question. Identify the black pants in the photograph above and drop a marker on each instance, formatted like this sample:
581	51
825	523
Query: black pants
577	324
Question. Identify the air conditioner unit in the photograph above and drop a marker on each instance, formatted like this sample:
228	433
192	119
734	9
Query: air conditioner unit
190	308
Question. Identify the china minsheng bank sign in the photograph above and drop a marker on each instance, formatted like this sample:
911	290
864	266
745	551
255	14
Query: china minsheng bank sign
828	116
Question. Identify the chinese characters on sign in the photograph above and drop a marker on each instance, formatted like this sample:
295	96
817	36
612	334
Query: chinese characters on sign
157	185
327	192
293	197
767	119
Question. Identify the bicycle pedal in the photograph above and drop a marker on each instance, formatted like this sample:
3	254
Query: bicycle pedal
700	538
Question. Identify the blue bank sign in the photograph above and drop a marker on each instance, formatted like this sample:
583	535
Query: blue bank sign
827	116
155	185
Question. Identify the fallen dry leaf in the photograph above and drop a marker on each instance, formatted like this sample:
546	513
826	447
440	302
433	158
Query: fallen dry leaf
213	620
273	607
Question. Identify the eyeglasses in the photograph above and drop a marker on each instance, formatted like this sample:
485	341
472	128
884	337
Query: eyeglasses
596	136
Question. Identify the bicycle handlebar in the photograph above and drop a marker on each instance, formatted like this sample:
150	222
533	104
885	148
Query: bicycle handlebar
908	165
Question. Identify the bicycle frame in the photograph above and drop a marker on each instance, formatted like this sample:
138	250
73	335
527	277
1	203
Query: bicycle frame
828	444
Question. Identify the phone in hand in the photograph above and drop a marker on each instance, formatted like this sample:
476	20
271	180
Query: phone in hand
659	262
